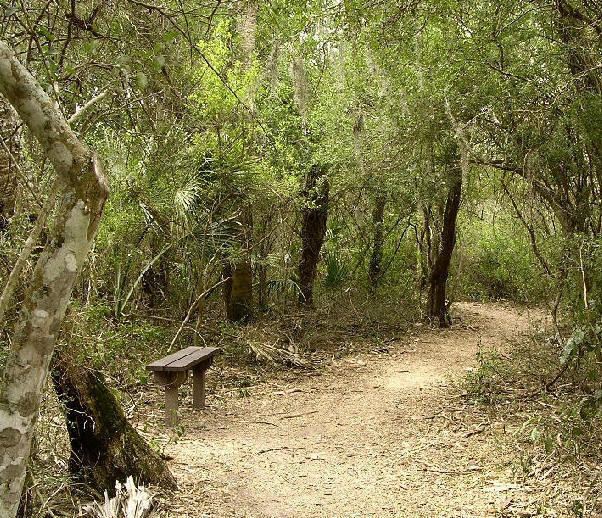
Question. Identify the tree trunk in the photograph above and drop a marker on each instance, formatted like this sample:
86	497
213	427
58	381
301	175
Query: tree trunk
238	270
238	288
105	448
437	305
313	230
378	220
239	306
425	249
84	193
10	149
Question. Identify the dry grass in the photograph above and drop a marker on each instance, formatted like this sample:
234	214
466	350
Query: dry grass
557	428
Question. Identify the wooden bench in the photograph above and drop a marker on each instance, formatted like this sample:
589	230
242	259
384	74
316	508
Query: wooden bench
170	372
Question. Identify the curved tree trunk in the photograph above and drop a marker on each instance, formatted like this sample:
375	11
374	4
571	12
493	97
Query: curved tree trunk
437	305
378	220
105	448
313	230
84	193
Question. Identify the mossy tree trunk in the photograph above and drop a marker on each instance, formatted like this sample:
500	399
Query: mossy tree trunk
43	311
437	304
238	272
313	230
105	448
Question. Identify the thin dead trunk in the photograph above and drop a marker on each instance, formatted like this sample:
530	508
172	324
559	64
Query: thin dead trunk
425	244
313	230
262	297
378	241
84	193
264	246
105	448
437	304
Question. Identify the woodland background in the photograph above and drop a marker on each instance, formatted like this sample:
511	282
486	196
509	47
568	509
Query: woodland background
287	173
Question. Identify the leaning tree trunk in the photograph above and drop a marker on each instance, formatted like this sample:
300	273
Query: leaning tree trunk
437	306
105	448
313	230
84	193
10	148
378	241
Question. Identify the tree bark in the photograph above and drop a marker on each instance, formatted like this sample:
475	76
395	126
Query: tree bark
238	272
378	220
239	304
425	249
238	288
437	304
10	148
313	230
264	245
105	448
84	193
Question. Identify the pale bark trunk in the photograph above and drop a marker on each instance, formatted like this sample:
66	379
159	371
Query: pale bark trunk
238	273
238	288
248	31
84	193
240	303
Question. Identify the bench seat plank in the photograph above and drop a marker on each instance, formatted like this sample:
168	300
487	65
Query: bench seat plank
157	364
192	360
183	360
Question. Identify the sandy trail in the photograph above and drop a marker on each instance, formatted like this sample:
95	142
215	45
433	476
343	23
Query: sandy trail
375	435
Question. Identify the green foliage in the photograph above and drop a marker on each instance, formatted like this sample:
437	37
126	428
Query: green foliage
495	261
97	340
482	383
337	269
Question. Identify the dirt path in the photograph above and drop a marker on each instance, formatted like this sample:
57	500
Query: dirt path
376	435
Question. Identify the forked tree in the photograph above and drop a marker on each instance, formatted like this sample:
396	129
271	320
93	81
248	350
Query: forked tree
437	304
84	191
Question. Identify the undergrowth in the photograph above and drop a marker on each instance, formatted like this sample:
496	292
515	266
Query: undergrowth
555	420
279	341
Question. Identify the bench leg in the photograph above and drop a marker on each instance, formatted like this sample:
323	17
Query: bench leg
198	388
171	382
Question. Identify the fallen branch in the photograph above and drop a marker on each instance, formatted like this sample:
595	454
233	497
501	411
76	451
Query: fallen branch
293	416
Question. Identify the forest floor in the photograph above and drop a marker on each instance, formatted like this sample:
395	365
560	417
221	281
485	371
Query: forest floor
387	432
